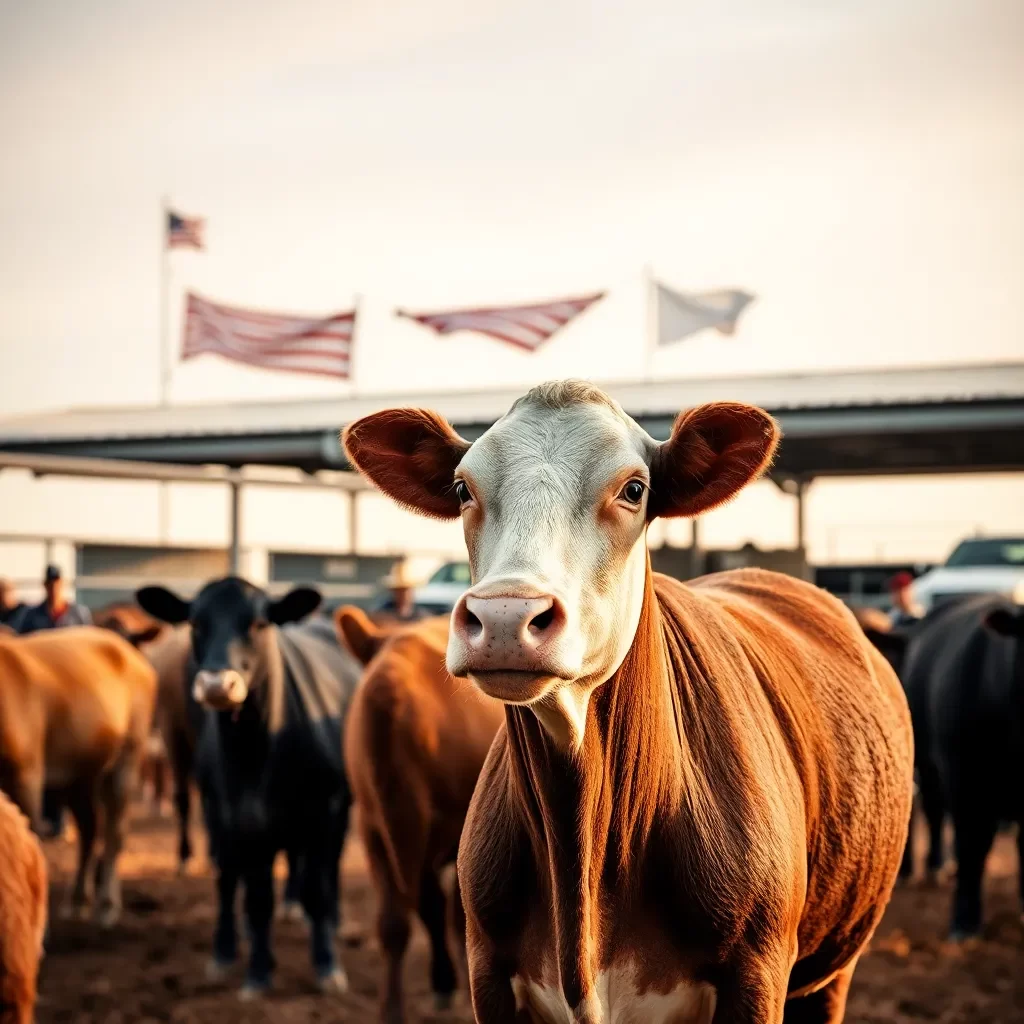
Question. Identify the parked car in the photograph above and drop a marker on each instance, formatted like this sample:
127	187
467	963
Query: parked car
980	565
444	588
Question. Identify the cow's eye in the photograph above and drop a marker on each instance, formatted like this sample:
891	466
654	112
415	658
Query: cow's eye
462	492
633	492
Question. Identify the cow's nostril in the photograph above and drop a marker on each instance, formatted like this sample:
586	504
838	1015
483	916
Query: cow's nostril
541	622
474	627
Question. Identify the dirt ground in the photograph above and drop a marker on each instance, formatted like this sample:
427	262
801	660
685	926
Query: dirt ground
150	966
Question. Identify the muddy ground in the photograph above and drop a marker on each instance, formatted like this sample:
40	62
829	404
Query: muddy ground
150	966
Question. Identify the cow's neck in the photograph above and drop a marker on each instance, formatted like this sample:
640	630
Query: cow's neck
589	807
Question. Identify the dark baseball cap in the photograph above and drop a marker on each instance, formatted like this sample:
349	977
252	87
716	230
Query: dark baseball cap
52	573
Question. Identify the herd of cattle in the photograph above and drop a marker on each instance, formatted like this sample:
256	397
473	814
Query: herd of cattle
667	802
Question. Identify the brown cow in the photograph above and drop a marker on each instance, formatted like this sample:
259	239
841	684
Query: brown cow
415	741
697	808
75	711
23	893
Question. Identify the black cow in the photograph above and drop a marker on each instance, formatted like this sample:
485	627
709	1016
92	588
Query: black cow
268	761
963	669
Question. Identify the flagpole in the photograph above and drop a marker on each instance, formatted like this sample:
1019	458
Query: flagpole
650	321
164	497
357	323
165	289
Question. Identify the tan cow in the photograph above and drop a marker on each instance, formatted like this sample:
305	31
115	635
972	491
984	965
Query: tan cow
23	895
75	712
698	805
415	741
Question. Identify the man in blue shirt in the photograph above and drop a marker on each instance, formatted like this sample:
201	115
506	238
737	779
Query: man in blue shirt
53	613
56	610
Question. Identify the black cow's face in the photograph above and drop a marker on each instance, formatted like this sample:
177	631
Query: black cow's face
229	620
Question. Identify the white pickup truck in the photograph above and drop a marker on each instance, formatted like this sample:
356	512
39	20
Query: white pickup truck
981	565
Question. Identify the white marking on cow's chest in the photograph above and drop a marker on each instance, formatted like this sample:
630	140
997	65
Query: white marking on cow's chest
615	999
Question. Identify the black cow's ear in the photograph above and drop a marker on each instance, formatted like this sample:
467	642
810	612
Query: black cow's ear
163	604
1005	623
295	605
145	636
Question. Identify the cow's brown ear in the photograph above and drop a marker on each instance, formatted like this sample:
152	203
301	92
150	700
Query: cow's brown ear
715	450
411	455
358	633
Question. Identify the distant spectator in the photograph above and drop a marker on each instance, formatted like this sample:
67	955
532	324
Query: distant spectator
56	610
11	609
905	608
401	601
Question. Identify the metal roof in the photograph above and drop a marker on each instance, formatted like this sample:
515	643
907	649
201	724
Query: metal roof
908	419
903	386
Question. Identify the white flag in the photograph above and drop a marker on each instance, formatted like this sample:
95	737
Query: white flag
681	314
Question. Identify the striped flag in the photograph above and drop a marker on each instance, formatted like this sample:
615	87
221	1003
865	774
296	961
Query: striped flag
273	341
525	326
184	232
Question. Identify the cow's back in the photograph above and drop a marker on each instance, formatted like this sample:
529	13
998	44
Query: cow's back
829	705
86	688
415	741
428	725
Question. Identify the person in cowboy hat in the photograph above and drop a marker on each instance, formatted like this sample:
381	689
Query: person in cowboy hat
905	608
401	600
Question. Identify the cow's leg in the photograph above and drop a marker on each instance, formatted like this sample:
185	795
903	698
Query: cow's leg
1020	862
114	790
433	913
83	807
933	805
225	937
291	904
974	832
753	993
53	812
181	757
259	913
826	1006
319	899
392	926
906	872
24	785
344	812
490	989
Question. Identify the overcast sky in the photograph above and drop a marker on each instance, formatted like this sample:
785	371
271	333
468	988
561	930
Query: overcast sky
858	165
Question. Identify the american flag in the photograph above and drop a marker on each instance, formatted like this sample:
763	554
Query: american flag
526	326
184	232
273	341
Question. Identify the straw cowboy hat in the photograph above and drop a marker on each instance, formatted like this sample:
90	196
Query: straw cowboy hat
401	577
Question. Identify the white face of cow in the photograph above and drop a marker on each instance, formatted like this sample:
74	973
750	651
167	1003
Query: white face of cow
553	504
555	499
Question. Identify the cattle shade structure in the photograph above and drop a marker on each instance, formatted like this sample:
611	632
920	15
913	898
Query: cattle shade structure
44	464
910	420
